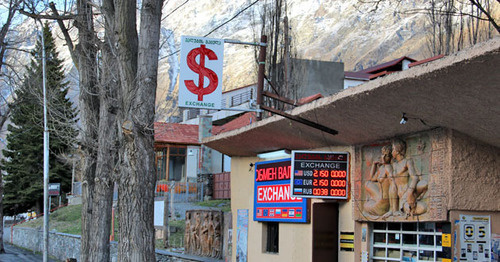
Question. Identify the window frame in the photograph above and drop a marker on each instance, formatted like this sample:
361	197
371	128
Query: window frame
416	248
272	235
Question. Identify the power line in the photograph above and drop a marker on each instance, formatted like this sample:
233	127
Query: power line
218	27
237	14
177	8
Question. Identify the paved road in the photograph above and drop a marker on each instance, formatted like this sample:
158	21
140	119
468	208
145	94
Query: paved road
15	254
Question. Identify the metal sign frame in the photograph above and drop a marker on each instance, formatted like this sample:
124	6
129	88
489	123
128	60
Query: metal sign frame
276	211
298	184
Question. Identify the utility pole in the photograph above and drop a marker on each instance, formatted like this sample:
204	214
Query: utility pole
261	72
45	157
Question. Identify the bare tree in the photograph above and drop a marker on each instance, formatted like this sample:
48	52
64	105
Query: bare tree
138	67
99	86
279	58
453	24
5	104
125	96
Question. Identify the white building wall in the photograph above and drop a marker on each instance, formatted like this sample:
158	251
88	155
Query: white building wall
192	161
352	82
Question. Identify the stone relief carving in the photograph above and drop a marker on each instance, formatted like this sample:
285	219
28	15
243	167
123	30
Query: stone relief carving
394	189
202	235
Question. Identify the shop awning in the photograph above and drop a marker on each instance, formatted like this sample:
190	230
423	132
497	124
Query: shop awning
460	92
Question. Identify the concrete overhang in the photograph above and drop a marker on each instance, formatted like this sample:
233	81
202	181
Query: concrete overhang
460	92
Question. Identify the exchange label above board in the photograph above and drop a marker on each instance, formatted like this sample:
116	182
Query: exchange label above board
320	174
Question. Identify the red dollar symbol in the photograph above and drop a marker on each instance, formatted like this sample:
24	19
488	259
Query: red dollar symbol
202	71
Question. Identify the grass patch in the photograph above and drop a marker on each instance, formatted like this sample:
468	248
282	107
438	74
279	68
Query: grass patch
64	220
223	205
176	239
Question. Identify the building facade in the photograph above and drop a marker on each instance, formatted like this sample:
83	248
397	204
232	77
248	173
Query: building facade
422	189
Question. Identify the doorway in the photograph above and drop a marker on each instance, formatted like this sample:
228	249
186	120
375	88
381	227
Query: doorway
325	232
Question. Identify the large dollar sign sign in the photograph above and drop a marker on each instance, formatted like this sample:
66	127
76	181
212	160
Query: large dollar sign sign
202	71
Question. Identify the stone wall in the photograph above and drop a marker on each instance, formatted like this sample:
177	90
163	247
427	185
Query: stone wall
63	246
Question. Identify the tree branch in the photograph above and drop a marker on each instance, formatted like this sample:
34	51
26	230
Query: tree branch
491	19
65	32
48	17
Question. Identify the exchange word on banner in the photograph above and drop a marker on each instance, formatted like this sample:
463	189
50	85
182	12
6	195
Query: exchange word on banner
201	62
272	197
320	174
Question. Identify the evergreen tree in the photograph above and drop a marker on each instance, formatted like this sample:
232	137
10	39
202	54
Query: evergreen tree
23	157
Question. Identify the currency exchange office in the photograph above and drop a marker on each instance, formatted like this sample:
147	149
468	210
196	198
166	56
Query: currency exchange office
426	190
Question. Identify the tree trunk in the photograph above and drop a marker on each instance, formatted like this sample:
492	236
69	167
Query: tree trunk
89	116
138	65
168	203
106	160
13	6
2	249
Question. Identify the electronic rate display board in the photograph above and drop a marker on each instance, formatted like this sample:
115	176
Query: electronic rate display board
320	174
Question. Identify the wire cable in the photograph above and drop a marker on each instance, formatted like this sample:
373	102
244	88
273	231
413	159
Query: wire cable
216	28
236	15
175	9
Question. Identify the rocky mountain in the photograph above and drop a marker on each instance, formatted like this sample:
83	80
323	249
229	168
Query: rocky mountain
341	31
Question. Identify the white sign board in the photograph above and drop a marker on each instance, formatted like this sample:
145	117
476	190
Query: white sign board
475	238
200	84
54	189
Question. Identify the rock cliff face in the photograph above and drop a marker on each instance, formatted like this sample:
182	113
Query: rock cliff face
340	31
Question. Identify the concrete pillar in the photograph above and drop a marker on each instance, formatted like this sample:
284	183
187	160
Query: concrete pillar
205	130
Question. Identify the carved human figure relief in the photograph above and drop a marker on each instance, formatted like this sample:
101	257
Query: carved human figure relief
409	189
203	235
393	188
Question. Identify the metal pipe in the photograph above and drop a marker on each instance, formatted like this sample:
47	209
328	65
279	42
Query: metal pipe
241	109
238	42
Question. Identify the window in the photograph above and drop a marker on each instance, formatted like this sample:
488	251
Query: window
407	241
272	237
173	169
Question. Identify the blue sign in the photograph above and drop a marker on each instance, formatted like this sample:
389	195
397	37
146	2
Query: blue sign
273	201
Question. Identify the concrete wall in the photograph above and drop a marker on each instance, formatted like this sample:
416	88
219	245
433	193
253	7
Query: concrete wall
217	159
64	246
314	77
295	239
61	246
475	176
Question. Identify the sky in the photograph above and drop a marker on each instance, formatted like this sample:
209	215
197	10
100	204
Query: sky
41	5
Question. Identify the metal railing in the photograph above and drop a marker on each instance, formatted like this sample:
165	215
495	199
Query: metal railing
181	191
241	98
